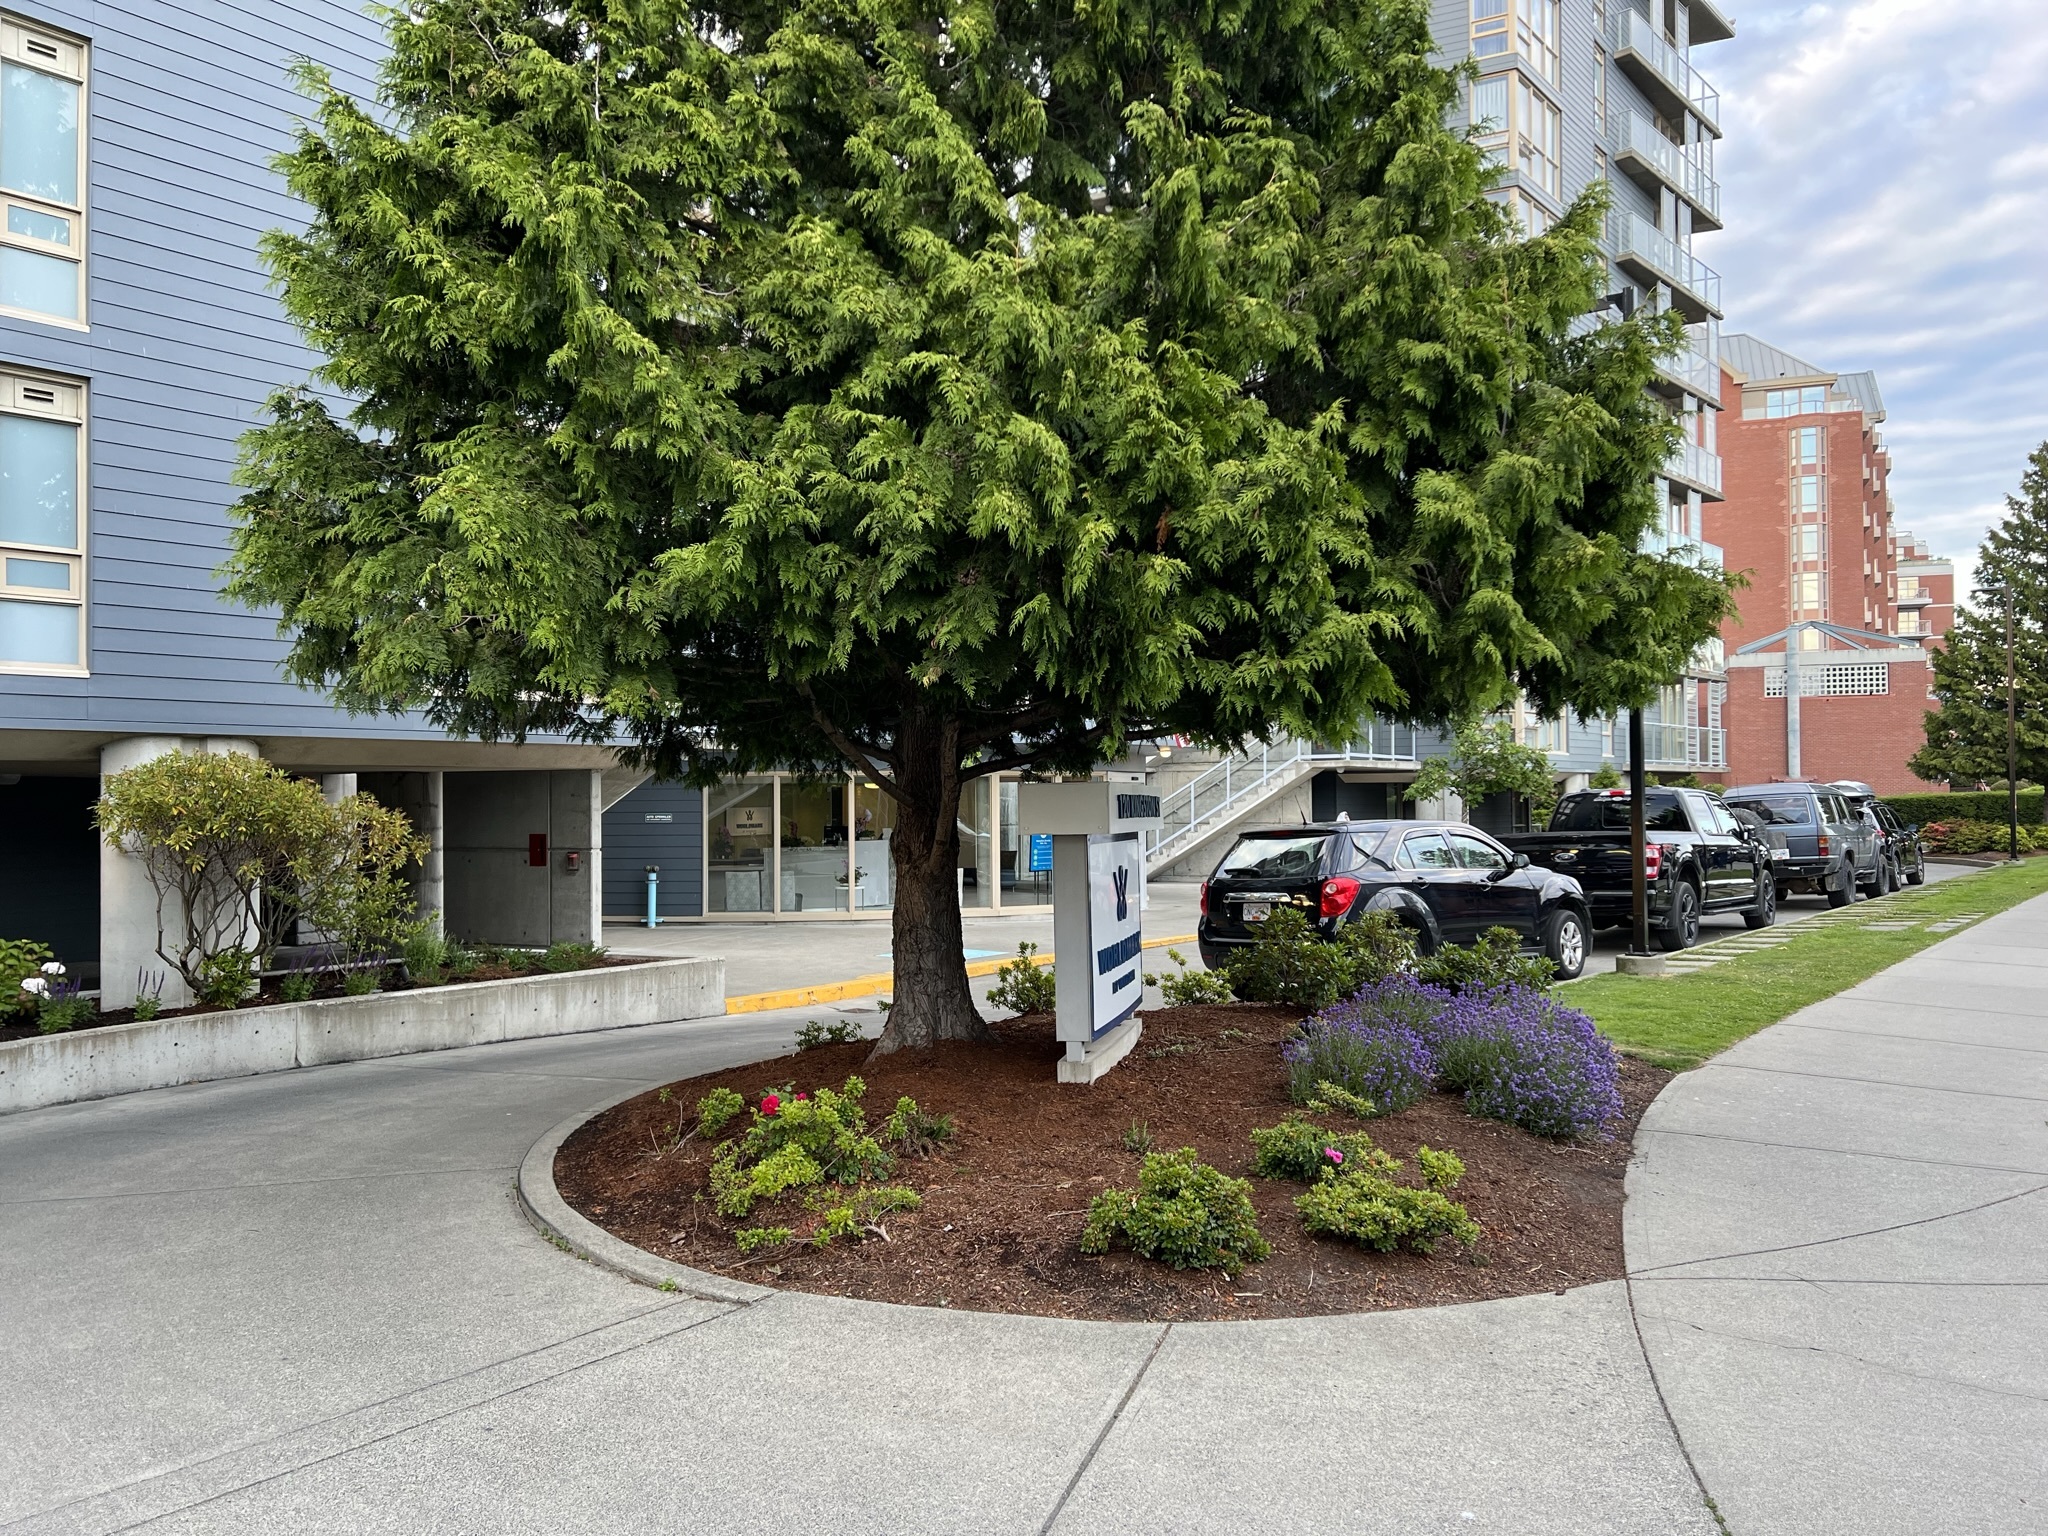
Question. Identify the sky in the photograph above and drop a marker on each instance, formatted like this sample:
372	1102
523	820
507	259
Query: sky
1884	176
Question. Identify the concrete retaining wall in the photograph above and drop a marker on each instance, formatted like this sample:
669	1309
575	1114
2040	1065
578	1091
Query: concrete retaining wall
198	1048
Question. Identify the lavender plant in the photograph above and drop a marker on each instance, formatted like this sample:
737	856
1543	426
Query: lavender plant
1371	1045
1522	1056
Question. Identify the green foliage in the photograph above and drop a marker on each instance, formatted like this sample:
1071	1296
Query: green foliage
736	1186
1607	776
1440	1170
1330	1099
1966	735
1137	1137
944	391
362	980
1486	759
1189	989
238	850
752	1240
1967	805
718	1109
1298	1149
426	958
225	976
295	986
1288	962
1494	959
793	1141
1375	1212
1183	1213
1023	985
570	955
913	1132
814	1035
20	959
147	1008
1375	946
862	1215
69	1009
1981	836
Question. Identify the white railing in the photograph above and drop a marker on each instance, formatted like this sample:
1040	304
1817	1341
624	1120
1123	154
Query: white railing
1637	239
1696	466
1685	746
1679	168
1633	32
1694	371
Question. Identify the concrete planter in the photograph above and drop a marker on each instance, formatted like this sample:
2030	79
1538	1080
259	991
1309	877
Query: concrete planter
199	1048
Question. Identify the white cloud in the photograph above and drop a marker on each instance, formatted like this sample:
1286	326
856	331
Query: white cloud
1883	173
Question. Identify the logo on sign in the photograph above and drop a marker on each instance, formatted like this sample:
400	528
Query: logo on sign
1123	893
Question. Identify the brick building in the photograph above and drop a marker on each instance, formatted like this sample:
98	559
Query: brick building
1808	517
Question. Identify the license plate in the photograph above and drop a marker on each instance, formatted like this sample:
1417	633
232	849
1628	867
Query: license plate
1781	853
1256	911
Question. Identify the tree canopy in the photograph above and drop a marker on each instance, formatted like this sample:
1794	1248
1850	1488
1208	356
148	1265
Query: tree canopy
943	387
1966	736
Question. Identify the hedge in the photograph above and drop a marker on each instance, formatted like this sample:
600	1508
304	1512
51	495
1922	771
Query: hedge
1970	805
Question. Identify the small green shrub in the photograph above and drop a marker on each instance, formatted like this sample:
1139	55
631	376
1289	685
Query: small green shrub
225	977
459	962
67	1007
1607	777
1374	947
862	1215
735	1188
362	980
1375	1212
149	994
913	1132
1440	1170
1023	985
1137	1137
426	958
1980	837
1332	1099
754	1239
295	986
1299	1150
1289	963
1494	959
570	955
21	960
814	1035
147	1008
716	1110
1967	805
1183	1213
1189	989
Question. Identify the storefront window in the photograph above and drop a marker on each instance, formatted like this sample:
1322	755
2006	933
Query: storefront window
739	823
874	830
977	848
814	873
1023	886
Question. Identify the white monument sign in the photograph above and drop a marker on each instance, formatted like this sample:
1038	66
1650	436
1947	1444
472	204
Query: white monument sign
1098	885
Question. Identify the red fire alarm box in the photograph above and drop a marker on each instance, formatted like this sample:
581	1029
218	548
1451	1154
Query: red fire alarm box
537	849
573	860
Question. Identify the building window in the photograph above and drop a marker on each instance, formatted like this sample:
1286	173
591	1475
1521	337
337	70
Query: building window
1809	495
1490	117
1600	92
1536	36
42	533
1807	446
42	160
1804	401
1539	132
1531	217
1806	592
1489	28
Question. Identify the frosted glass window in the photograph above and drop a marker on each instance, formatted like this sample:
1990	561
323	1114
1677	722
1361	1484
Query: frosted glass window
30	280
38	134
38	482
39	634
38	226
55	575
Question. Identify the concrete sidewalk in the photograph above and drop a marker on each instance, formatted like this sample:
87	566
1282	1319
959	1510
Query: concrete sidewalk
1837	1234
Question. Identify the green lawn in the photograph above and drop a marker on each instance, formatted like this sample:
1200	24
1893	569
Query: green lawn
1679	1021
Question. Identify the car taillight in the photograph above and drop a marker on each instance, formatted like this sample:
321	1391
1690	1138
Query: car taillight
1205	898
1338	894
1653	860
1823	845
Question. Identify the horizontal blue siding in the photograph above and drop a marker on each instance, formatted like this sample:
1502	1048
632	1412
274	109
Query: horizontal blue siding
632	842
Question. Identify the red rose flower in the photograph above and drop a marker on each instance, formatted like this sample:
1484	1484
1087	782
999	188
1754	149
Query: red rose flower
770	1103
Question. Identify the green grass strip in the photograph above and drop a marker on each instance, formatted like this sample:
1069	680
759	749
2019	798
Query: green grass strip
1679	1021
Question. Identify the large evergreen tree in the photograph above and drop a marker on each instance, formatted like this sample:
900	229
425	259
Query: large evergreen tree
943	387
1966	736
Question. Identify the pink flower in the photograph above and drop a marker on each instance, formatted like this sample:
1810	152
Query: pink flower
1333	1154
770	1103
802	1097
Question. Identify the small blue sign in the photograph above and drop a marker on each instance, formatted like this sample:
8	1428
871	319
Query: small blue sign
1041	852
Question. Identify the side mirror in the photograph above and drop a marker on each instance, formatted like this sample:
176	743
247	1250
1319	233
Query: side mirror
1521	861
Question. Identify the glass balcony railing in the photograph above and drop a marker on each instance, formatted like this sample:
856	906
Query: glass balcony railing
1661	71
1654	257
1684	547
1684	746
1696	467
1693	371
1642	150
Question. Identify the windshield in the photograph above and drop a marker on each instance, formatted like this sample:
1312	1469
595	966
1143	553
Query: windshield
1781	810
1273	858
1610	813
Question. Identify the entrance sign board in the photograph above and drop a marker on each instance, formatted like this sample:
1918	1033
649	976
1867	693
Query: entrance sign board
1098	884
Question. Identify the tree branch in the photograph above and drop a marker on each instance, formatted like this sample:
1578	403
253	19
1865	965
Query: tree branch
865	760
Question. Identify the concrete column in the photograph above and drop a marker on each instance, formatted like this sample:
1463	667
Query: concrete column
337	787
576	878
430	890
128	904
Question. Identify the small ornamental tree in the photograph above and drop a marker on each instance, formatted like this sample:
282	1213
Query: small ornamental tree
940	389
1966	736
1485	759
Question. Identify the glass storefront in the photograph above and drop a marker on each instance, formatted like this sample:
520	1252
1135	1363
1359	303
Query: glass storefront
777	845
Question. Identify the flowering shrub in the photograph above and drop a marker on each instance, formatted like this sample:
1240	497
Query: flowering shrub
1183	1213
1371	1045
1296	1149
1522	1056
65	1005
23	984
1978	837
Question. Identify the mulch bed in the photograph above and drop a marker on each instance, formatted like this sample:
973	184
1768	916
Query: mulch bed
326	986
1004	1202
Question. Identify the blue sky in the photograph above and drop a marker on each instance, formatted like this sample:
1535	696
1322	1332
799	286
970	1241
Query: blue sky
1884	174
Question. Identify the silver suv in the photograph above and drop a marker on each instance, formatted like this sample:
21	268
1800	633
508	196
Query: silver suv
1829	846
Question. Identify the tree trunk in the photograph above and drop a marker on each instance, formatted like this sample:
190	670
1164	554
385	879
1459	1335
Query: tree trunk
932	1001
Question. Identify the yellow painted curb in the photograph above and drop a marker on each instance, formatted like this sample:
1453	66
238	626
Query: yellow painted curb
882	981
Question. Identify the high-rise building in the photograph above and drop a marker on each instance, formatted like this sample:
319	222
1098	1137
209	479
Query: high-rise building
1577	92
1808	517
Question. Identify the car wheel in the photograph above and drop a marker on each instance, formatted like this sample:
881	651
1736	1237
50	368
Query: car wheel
1681	929
1918	876
1843	891
1886	881
1764	910
1564	943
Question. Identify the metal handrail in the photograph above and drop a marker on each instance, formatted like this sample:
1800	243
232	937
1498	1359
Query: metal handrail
1634	31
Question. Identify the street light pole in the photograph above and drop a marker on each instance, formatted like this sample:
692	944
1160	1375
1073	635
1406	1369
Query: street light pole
2012	744
1639	887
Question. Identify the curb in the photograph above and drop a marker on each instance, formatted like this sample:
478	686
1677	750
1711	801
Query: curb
542	1205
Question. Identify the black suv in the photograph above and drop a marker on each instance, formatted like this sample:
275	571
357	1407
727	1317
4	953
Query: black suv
1448	881
1902	845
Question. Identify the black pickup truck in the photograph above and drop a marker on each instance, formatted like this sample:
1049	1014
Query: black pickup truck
1697	858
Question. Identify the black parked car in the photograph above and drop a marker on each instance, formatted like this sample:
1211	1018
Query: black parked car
1902	843
1448	881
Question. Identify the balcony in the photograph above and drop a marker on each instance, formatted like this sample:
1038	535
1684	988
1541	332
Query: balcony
1693	373
1650	256
1379	743
1661	72
1692	465
1684	746
1653	162
1684	548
